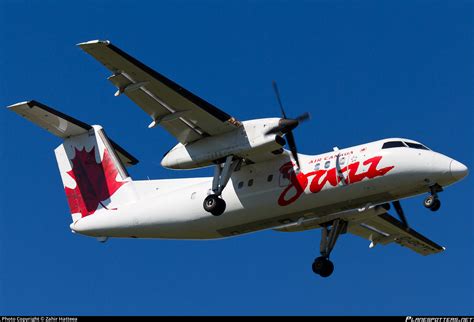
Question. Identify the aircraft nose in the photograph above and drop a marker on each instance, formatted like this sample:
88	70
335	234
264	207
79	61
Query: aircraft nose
458	170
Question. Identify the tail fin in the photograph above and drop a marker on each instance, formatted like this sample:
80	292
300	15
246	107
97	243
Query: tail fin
91	166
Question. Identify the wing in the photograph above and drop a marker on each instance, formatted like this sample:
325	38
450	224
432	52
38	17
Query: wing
375	225
385	229
183	114
62	125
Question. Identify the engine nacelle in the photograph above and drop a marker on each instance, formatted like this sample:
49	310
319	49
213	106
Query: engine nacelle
247	142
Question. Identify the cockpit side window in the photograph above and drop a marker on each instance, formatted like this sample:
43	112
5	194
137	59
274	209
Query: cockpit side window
416	146
393	144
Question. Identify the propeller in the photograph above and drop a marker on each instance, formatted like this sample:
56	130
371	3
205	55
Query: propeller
286	126
400	213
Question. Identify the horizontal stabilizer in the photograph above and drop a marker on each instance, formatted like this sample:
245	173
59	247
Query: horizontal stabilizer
62	125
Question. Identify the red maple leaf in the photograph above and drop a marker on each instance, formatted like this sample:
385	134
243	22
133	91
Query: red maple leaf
95	182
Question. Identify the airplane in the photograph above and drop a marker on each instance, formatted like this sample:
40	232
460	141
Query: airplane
257	184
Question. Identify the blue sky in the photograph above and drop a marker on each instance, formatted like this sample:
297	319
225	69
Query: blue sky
365	70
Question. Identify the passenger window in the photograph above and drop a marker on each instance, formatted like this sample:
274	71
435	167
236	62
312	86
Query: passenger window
317	166
270	178
393	144
250	182
416	146
240	185
327	164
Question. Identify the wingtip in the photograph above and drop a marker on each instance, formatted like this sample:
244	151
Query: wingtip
93	42
30	104
19	104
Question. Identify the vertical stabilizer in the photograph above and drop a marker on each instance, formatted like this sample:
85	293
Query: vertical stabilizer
92	173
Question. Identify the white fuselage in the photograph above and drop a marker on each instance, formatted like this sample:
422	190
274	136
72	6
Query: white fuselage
271	194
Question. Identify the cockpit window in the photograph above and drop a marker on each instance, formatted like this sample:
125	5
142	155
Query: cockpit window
416	146
393	144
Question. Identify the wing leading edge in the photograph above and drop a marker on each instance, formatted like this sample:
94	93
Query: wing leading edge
183	114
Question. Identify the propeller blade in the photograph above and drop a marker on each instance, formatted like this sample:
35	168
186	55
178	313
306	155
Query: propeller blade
290	139
275	130
284	126
400	213
277	93
303	117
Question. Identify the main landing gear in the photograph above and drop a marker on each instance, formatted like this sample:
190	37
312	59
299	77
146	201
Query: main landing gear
214	205
322	265
222	173
432	202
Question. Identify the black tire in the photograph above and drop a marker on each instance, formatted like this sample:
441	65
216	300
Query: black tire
220	207
210	203
436	205
317	265
328	268
323	266
214	205
429	201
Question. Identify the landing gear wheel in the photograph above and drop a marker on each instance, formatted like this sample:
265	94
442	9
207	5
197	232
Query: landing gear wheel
214	205
323	266
432	202
436	205
429	201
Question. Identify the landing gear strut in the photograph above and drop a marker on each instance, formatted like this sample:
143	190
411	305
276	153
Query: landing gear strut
432	202
322	265
222	173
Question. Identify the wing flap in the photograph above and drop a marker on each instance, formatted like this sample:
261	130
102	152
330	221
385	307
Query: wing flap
158	96
62	125
385	229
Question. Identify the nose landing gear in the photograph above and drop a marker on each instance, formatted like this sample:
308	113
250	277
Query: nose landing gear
432	202
322	265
